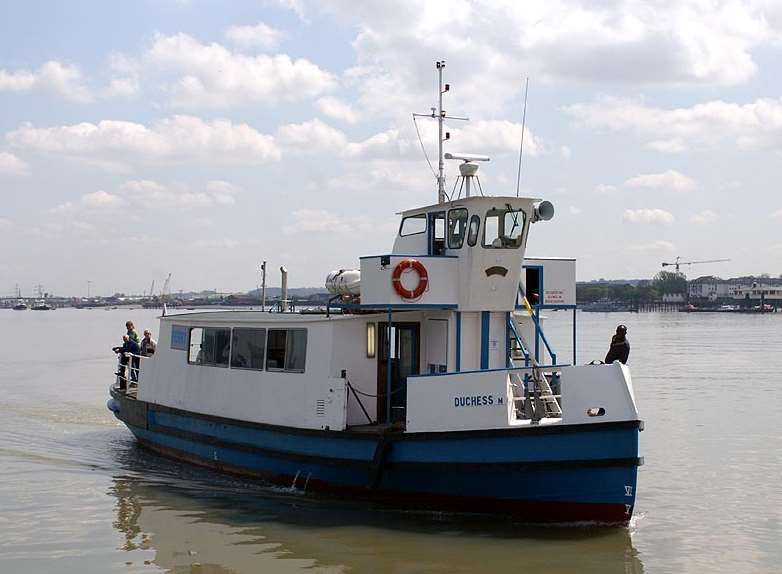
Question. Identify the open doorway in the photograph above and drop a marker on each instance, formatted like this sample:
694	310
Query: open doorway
404	361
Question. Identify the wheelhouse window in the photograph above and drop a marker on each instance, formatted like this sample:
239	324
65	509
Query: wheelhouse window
247	349
286	350
457	227
413	225
437	233
503	228
209	346
472	232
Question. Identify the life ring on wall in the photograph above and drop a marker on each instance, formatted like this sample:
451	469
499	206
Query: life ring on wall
423	278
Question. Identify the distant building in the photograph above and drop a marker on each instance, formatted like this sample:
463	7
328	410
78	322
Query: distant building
714	289
767	290
710	288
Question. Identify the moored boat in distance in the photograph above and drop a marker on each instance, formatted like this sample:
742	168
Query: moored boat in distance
20	305
434	387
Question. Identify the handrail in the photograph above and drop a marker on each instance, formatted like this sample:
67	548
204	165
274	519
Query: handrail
552	367
538	328
516	336
133	365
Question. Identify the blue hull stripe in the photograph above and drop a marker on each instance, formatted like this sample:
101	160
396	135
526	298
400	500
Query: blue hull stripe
583	485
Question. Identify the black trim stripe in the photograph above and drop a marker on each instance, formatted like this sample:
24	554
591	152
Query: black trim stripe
395	435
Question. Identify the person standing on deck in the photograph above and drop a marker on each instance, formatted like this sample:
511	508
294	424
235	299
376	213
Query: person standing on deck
148	344
620	347
131	347
132	334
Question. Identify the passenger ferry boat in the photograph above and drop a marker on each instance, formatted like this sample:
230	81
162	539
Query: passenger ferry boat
430	386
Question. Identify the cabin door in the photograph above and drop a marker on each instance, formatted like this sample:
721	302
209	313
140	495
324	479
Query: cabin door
404	361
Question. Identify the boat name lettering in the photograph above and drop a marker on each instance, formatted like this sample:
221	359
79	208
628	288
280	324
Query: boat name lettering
477	401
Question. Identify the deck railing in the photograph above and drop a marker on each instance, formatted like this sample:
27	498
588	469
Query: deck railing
128	372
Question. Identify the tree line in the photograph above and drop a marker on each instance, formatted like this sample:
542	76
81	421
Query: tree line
647	291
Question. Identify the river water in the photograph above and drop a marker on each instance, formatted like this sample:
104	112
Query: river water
77	495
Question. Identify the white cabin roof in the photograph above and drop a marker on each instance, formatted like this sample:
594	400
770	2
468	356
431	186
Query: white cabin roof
476	201
257	317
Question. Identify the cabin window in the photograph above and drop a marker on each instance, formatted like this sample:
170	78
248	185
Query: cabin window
413	225
457	227
247	348
472	234
286	350
209	346
437	233
194	354
503	228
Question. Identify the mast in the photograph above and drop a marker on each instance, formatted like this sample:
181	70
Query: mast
440	118
440	115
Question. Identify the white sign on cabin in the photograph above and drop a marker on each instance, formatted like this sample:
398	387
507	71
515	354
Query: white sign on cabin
558	278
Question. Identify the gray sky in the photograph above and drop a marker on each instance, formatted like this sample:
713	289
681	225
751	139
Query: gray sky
199	137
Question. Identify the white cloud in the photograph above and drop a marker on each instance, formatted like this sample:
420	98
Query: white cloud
313	135
490	45
658	246
10	164
575	210
495	136
153	194
63	79
670	180
387	144
100	199
777	214
213	76
667	146
565	152
125	81
19	81
295	6
259	36
178	138
705	217
89	210
337	109
653	216
604	188
751	125
323	221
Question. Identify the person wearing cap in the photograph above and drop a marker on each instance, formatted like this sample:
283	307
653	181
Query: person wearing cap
620	346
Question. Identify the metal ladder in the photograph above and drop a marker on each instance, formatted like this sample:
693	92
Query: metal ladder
541	401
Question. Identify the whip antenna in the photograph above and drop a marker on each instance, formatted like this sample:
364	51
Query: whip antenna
523	127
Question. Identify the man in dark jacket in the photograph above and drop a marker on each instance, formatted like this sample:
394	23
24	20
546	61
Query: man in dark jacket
620	346
128	346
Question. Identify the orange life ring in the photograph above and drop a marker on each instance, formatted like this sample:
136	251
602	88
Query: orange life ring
423	278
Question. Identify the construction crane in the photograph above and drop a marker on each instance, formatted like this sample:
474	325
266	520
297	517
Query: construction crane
166	289
677	262
151	290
